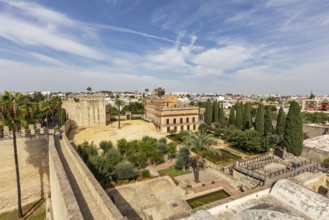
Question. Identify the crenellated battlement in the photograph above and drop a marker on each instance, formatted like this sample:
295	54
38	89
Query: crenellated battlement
33	130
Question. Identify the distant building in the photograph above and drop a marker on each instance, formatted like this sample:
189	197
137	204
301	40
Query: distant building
315	104
168	113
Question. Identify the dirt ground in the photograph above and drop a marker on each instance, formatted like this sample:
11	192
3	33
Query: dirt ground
131	130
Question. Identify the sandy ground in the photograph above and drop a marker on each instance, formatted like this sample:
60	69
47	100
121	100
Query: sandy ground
131	130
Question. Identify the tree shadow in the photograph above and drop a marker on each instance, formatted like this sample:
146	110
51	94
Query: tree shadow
37	150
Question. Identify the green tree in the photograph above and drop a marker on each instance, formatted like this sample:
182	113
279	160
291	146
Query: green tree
89	89
122	145
259	123
125	170
231	119
61	117
183	158
221	116
208	113
268	121
13	109
238	117
46	108
198	143
293	136
247	122
106	145
119	103
281	122
215	111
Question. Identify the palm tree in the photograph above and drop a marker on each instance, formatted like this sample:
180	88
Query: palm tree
46	108
198	143
55	104
13	114
119	103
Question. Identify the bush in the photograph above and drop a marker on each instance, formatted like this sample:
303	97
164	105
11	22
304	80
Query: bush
122	145
326	162
145	174
106	145
125	170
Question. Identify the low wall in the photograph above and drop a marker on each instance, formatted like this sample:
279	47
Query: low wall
316	155
103	200
63	201
33	166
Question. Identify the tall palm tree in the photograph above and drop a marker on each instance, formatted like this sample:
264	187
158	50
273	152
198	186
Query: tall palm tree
13	114
55	104
198	143
119	103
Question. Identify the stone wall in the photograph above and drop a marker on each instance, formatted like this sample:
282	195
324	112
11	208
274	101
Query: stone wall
63	202
94	187
86	110
33	167
311	204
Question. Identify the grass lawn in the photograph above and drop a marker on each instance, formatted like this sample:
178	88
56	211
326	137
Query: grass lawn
223	157
38	214
172	171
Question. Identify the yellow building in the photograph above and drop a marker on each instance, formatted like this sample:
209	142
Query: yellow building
167	113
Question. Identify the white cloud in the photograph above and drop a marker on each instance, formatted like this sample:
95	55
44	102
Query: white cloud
223	58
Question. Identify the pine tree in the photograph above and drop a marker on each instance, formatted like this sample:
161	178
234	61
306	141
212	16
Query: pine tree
208	113
268	121
281	122
232	117
238	117
215	111
221	116
293	136
259	123
247	123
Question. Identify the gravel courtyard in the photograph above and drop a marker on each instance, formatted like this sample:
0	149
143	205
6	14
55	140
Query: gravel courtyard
131	130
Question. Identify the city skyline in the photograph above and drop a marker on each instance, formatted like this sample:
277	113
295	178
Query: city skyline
274	46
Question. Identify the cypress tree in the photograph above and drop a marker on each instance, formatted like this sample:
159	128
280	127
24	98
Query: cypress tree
208	113
238	117
247	123
221	116
293	135
281	122
259	123
231	120
268	121
215	111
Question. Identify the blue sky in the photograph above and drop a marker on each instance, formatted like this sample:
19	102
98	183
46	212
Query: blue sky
255	46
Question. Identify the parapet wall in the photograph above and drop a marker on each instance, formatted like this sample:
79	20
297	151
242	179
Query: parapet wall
63	202
304	200
103	200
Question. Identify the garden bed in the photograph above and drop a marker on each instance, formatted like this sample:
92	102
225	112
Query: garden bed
223	157
172	171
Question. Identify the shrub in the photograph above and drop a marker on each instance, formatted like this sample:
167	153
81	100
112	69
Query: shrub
106	145
145	174
326	162
125	170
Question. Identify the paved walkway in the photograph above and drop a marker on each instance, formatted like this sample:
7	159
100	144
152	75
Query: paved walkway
219	184
86	202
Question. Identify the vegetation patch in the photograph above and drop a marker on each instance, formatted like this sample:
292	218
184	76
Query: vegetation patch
206	199
220	156
172	171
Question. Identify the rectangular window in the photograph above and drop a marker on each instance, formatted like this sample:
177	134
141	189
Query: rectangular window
187	120
168	121
182	128
193	119
174	120
188	127
168	129
194	127
181	120
175	128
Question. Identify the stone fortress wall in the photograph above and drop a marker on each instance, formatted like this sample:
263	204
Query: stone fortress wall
86	110
32	149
